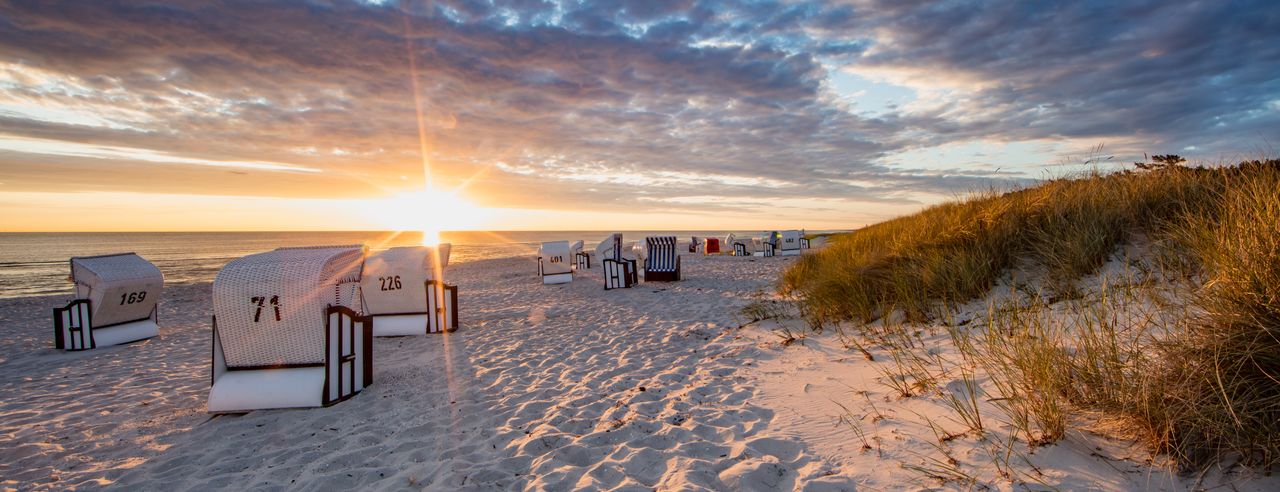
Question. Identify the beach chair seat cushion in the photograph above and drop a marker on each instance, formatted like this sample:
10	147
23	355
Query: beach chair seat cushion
292	387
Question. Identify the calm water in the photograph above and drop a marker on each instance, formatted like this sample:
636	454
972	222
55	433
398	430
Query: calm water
36	263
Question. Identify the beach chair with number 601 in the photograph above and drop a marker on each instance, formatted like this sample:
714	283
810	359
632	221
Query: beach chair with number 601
555	262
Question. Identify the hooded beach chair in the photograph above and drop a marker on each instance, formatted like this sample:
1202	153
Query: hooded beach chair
740	246
554	262
789	243
116	297
712	246
404	291
767	244
287	331
695	245
619	272
581	259
804	241
662	259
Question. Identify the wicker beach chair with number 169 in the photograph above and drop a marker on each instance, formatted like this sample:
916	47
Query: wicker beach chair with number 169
115	302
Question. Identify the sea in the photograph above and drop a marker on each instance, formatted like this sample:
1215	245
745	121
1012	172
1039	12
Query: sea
33	264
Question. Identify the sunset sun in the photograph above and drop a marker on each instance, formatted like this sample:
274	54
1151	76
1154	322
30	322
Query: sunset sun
431	212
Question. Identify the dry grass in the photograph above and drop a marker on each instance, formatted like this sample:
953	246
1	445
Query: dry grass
1200	389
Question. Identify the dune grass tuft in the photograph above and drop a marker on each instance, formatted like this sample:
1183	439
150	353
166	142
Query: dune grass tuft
1206	388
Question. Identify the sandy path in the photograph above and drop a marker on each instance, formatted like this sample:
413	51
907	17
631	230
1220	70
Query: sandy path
547	387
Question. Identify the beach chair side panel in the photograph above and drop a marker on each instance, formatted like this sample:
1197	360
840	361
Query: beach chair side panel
442	307
71	326
349	355
619	274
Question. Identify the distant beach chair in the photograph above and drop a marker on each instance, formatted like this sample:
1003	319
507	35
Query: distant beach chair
767	244
581	259
740	246
116	297
695	244
619	272
804	240
712	246
662	260
404	290
554	262
789	244
287	332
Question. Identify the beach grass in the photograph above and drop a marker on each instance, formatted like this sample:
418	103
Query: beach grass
1199	387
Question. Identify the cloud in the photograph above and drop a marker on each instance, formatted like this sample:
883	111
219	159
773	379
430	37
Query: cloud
623	104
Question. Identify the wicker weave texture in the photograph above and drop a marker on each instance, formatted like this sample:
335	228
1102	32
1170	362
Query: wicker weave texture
395	279
270	306
121	287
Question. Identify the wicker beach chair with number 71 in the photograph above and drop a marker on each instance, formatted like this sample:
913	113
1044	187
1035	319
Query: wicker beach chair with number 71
662	259
403	289
116	297
287	330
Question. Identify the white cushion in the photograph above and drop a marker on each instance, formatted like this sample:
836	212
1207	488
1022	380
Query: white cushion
399	326
244	390
559	278
125	333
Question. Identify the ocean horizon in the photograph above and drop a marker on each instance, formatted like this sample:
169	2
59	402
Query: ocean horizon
36	263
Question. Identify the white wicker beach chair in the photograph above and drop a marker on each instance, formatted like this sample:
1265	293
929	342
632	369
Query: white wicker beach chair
662	259
767	244
553	262
619	272
287	331
404	291
789	243
116	297
581	259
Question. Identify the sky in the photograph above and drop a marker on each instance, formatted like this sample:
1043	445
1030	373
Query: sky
609	115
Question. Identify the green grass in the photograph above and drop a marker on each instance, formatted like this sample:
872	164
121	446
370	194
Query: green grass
1207	388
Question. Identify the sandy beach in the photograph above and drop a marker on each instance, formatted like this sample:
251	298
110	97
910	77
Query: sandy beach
555	387
544	387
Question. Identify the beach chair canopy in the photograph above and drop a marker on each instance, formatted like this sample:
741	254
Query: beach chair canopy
120	288
610	247
270	307
660	254
394	280
575	247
